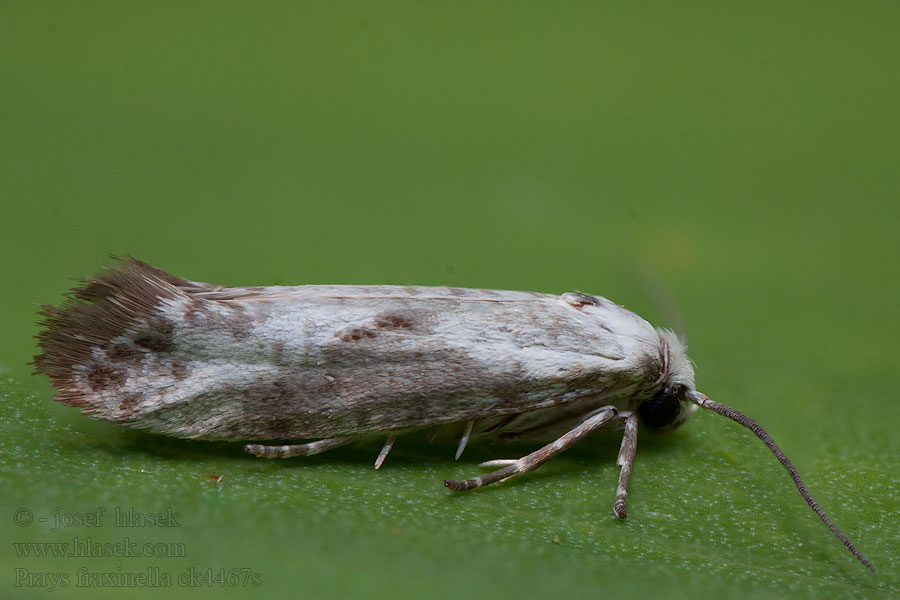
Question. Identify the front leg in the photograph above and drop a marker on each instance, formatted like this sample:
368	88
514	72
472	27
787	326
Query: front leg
625	460
539	457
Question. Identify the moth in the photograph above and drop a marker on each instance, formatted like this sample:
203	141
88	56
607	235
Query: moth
326	365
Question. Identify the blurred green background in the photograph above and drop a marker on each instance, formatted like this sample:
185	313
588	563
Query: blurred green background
740	159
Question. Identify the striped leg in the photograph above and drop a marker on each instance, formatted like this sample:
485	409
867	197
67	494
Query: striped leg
298	449
384	452
625	460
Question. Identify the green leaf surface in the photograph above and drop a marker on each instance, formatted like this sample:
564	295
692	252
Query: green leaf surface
700	519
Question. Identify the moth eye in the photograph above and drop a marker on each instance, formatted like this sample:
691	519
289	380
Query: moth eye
661	410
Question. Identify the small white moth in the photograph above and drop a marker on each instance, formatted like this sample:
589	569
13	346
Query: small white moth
333	364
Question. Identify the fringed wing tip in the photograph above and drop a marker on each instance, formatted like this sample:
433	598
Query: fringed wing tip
94	313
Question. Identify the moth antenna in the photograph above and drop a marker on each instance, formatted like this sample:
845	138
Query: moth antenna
738	417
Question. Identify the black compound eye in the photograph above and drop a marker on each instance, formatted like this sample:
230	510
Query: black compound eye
661	410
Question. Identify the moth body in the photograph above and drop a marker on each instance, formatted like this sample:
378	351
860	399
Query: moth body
316	361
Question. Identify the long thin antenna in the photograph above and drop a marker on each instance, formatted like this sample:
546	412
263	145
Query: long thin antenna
726	411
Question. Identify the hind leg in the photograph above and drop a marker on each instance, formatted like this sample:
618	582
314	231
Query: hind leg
298	449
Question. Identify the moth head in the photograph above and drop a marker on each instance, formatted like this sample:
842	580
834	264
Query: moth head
667	408
669	405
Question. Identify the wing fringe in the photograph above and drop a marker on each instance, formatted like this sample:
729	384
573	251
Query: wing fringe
124	297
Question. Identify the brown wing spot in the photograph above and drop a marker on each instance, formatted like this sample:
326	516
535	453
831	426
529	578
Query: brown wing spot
354	334
179	369
157	336
124	353
579	300
154	342
103	376
394	320
129	402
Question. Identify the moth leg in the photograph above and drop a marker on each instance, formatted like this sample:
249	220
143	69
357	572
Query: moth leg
498	462
464	439
298	449
384	452
504	462
625	460
539	457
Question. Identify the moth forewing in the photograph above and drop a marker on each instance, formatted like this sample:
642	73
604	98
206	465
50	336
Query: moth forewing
312	362
331	364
